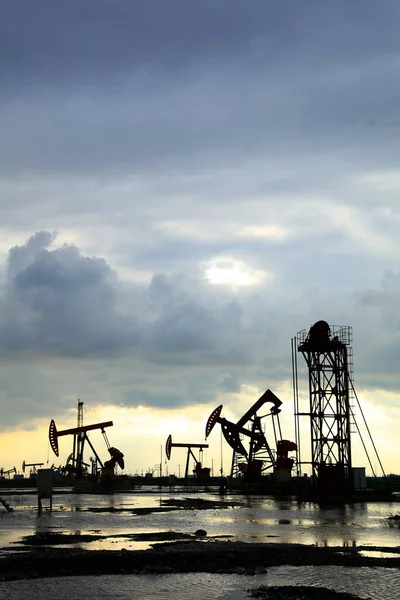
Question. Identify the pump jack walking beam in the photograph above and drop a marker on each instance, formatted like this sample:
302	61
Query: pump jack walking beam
54	434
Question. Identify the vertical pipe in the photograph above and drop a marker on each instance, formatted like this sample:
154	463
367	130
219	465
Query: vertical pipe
234	460
347	411
187	464
296	406
222	457
275	436
74	451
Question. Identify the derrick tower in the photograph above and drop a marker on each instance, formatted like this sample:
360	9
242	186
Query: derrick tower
328	355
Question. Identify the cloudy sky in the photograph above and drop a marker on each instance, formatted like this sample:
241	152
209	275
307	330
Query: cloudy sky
184	186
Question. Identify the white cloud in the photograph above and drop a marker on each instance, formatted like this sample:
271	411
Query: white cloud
384	180
264	231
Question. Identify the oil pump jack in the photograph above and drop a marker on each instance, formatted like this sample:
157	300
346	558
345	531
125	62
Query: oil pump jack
8	472
75	466
260	457
33	471
202	473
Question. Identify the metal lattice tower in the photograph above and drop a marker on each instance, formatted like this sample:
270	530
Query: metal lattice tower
328	356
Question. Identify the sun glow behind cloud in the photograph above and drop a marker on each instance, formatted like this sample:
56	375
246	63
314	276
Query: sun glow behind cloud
232	272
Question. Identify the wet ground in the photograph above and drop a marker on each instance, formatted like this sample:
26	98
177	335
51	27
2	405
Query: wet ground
300	592
372	583
153	536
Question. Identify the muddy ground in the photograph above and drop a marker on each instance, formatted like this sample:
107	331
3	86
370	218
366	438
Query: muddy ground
35	559
299	592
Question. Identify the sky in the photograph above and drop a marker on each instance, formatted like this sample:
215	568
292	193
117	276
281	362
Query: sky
184	186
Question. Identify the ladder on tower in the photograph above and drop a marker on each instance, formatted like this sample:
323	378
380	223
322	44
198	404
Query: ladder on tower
350	372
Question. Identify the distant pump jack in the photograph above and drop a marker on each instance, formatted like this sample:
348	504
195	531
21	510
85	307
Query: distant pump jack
202	473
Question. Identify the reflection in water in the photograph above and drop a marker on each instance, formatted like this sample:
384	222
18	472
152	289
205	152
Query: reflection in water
257	519
345	544
378	554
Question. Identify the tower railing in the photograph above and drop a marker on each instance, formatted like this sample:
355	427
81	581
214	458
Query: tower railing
343	333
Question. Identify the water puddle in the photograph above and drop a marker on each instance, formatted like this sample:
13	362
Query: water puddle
250	519
378	554
114	544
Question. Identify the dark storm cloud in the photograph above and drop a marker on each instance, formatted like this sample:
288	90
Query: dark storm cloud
103	38
100	87
378	327
197	122
60	302
55	40
229	384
